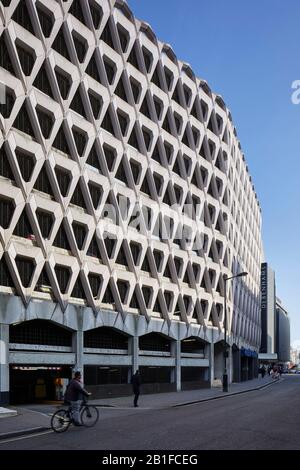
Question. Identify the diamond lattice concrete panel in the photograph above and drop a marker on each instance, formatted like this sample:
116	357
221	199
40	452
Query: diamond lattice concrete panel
100	116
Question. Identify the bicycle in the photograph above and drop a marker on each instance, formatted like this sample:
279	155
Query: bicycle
62	418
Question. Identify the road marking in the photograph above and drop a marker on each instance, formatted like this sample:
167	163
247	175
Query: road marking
13	439
38	412
131	408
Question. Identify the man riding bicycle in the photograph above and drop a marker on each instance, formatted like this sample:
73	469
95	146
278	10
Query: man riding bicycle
74	394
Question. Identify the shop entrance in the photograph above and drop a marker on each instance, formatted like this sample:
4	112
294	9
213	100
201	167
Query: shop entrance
38	383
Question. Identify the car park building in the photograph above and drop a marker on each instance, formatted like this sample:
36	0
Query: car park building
103	126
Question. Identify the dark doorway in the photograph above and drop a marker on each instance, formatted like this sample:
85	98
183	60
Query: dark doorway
194	377
156	379
236	364
38	383
244	368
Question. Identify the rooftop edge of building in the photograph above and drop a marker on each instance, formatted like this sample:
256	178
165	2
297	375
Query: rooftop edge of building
217	98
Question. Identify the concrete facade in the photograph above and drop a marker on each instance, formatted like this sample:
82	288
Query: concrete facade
101	116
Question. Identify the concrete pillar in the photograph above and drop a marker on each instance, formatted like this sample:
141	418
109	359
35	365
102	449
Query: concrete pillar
211	357
4	364
77	347
206	371
176	371
134	351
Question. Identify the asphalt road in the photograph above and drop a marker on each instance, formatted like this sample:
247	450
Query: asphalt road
265	419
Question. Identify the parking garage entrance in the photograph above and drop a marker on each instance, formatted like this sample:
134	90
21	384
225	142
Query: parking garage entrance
38	383
40	361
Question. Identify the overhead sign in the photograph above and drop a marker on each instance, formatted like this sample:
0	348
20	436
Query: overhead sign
264	286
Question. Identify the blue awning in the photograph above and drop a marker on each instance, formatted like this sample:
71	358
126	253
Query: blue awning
248	353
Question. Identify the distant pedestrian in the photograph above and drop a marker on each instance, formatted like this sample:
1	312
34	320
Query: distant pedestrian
263	371
136	383
275	373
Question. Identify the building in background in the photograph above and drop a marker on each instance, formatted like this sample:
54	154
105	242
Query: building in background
283	341
268	314
275	322
295	356
103	126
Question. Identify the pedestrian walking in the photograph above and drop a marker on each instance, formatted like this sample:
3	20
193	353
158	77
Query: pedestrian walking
136	383
275	373
263	371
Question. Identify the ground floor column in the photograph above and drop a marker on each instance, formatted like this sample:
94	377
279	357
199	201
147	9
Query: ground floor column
211	355
77	346
134	351
176	371
4	364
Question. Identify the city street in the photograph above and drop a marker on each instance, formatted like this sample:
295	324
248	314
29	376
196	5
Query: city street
264	419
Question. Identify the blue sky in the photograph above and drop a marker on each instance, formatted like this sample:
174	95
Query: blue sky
249	52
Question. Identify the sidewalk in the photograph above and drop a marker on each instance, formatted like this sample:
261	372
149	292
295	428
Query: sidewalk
171	399
24	422
36	418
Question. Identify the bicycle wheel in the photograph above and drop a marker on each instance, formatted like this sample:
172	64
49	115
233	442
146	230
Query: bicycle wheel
89	415
60	421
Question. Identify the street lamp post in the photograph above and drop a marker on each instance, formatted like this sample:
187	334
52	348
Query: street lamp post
225	375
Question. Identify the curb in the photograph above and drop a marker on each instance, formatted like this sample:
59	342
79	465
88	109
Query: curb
227	394
99	405
8	414
23	432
